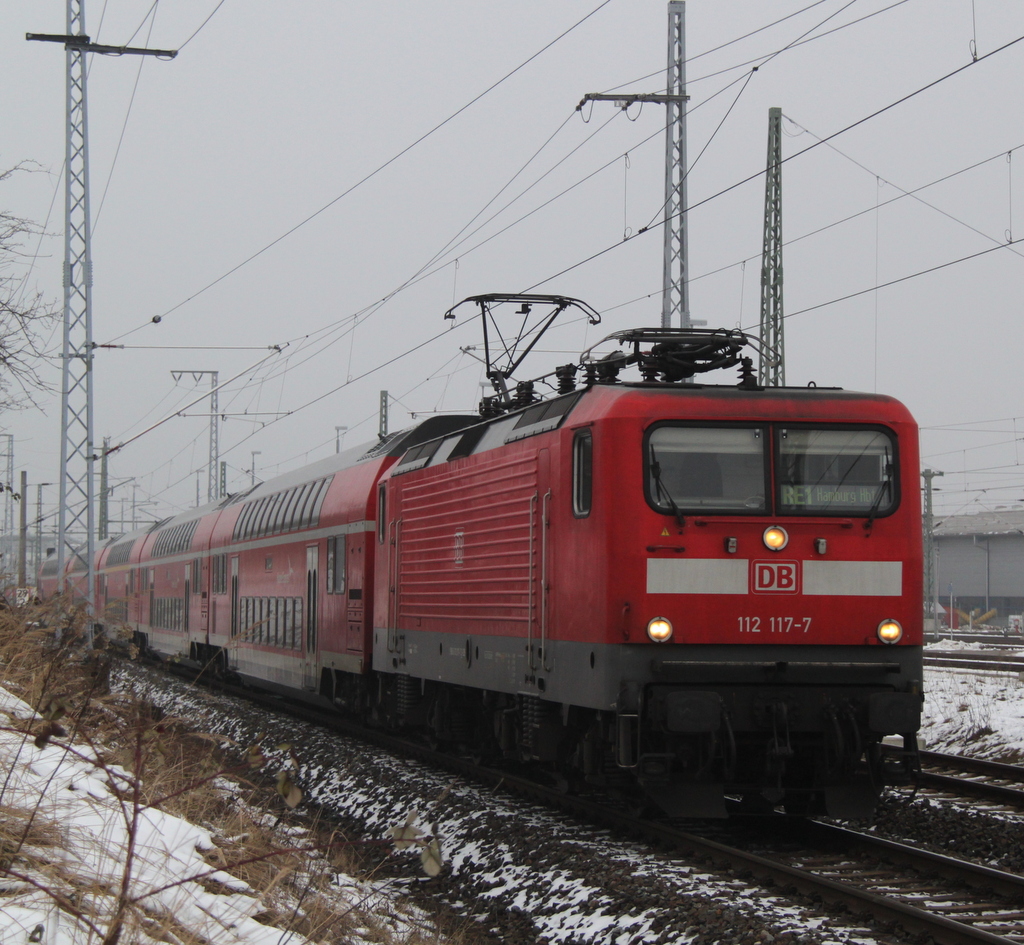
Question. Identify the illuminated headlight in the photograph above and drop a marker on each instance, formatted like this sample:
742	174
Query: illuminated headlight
659	630
775	538
890	631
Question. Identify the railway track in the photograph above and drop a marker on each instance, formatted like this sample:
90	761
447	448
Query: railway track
975	660
892	885
950	899
987	780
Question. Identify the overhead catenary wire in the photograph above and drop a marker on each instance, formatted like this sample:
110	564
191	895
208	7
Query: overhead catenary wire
346	326
796	45
151	15
423	272
367	373
761	63
897	281
376	306
785	160
811	308
201	26
374	172
848	218
930	270
760	29
121	446
914	193
404	151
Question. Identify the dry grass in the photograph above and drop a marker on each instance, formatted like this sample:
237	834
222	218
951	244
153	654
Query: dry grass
292	862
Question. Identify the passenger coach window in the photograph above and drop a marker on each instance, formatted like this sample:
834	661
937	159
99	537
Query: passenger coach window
707	469
336	565
836	471
582	473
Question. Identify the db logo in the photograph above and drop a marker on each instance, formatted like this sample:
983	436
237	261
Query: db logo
774	577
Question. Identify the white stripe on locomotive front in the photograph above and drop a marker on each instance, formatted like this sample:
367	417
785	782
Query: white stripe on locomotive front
732	576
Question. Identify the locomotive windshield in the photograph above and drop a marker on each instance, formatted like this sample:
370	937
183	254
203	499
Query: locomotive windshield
836	471
817	470
715	469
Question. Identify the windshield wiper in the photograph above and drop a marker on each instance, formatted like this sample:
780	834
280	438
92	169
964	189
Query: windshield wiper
883	488
662	490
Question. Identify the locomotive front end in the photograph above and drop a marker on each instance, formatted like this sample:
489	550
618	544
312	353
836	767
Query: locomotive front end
777	556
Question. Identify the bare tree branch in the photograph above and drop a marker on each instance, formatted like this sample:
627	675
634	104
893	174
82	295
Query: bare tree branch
23	315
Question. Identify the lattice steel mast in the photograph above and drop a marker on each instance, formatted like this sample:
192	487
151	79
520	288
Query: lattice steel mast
213	489
675	296
76	516
773	354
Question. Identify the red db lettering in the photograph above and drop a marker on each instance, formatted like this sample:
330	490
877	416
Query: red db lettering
775	577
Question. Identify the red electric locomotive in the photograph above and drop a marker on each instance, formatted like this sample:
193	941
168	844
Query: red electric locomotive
701	591
716	589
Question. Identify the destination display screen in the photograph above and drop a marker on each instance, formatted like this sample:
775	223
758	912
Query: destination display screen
833	471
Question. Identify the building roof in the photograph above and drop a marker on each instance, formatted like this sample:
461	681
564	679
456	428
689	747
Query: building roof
999	522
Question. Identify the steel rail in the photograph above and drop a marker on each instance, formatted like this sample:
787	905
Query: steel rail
995	769
986	790
992	663
983	790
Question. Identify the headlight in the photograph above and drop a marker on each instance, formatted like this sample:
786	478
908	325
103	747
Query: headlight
659	630
775	538
890	631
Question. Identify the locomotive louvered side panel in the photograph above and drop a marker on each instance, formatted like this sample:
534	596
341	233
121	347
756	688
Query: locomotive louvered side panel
467	545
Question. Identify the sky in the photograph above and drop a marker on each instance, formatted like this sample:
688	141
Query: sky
331	177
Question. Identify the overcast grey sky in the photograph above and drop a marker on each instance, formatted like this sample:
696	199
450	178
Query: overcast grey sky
272	115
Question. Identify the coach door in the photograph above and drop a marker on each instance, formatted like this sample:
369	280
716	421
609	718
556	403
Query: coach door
356	638
234	603
204	570
186	604
312	616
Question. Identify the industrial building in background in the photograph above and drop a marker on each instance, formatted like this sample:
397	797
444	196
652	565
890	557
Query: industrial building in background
979	567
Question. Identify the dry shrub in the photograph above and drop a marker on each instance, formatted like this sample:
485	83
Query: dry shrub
291	860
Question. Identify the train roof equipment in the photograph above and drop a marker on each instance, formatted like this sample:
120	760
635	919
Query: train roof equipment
661	355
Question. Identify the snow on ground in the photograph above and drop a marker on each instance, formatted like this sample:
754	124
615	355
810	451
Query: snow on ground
571	883
973	712
976	712
81	813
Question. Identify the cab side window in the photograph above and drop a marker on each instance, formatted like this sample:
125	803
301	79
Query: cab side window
582	473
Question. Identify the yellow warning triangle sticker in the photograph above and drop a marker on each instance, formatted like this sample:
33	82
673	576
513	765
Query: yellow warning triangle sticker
665	533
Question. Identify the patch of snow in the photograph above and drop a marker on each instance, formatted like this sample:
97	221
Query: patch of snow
87	804
979	713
